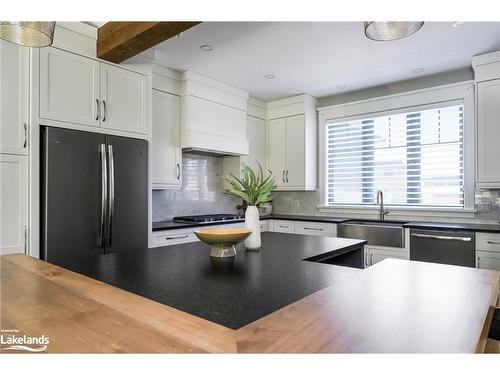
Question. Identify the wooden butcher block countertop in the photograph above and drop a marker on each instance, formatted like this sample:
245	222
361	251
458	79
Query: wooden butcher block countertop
394	306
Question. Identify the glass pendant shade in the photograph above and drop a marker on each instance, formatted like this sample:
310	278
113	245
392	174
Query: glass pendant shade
390	30
31	34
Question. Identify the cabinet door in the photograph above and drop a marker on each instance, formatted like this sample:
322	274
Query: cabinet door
277	150
14	204
14	74
375	255
487	260
295	151
69	87
124	100
165	141
256	133
488	133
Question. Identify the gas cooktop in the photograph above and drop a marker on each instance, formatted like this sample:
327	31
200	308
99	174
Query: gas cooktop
207	218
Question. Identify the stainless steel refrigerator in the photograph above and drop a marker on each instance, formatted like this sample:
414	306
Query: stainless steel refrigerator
94	195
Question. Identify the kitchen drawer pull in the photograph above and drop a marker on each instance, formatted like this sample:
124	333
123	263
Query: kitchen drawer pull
287	175
25	144
284	226
283	176
493	242
371	259
178	167
98	110
478	260
313	228
447	238
177	237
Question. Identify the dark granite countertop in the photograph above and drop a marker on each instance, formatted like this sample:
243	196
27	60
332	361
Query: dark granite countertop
257	284
165	225
454	226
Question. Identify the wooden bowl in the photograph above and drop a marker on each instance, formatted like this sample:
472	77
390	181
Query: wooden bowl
222	240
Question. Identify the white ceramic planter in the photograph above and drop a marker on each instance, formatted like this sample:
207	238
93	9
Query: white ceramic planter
252	222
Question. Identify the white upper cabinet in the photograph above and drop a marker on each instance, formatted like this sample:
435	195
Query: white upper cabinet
487	78
488	133
69	87
165	141
292	142
13	204
14	74
124	100
277	150
79	90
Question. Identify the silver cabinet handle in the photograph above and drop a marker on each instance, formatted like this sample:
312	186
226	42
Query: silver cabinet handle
98	109
177	237
104	194
283	176
493	242
478	261
371	259
366	255
447	238
287	175
313	228
25	229
111	201
105	111
178	167
25	144
284	226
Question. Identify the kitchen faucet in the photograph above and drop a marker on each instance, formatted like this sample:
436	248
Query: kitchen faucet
380	200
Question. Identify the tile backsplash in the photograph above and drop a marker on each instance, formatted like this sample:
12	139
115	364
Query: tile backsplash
201	192
487	204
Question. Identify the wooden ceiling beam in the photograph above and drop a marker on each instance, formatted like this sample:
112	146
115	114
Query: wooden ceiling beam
119	41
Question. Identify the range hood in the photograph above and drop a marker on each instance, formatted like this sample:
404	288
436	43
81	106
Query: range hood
213	117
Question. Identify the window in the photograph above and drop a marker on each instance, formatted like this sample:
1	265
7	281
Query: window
415	156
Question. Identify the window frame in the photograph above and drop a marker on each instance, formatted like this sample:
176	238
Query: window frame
462	92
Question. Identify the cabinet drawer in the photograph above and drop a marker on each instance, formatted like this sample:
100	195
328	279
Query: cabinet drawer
284	226
265	225
168	238
488	242
316	229
488	260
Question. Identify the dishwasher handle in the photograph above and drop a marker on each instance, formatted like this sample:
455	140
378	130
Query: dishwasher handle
446	238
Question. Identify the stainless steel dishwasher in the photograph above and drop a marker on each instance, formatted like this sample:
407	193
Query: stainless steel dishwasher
440	246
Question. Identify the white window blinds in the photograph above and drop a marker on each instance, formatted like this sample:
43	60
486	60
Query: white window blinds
414	157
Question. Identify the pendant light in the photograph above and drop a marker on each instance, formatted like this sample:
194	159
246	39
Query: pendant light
390	30
31	34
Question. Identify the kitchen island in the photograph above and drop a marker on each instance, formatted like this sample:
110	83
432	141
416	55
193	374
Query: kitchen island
395	306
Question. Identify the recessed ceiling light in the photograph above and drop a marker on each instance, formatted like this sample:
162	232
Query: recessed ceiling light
268	76
418	70
341	87
458	23
206	47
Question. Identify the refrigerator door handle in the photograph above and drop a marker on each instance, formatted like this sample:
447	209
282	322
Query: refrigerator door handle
111	201
104	194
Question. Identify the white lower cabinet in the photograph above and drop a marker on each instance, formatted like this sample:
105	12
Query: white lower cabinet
185	235
488	251
375	254
13	204
284	226
488	260
316	228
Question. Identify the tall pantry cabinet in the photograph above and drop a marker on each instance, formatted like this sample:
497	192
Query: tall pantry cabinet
14	143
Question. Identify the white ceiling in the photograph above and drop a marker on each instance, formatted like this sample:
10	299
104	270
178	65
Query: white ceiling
317	57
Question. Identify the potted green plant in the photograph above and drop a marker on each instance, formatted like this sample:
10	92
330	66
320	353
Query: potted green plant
254	189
